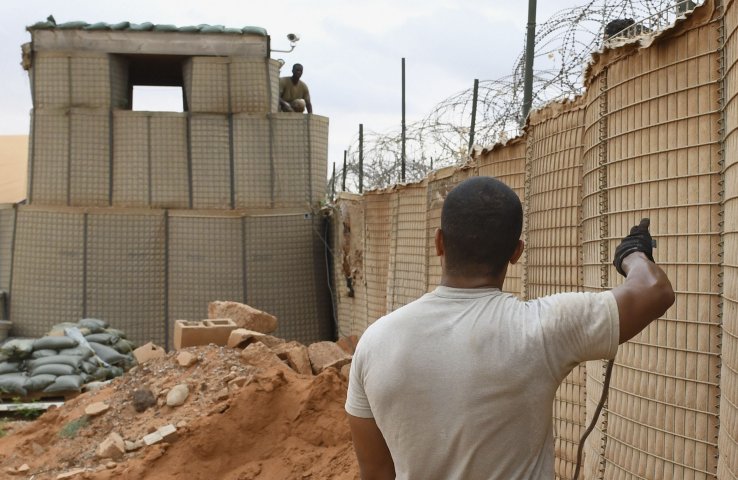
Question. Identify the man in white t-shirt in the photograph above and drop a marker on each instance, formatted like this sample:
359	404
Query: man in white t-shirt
460	383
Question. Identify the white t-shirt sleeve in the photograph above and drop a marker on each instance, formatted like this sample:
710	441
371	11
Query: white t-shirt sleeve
578	327
356	402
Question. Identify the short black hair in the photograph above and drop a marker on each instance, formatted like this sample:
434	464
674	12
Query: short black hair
481	221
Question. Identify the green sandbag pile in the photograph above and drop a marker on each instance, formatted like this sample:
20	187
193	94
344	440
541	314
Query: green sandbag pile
60	363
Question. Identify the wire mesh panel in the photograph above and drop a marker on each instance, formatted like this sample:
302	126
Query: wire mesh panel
507	163
554	246
663	163
89	157
49	176
251	85
348	264
48	270
211	161
126	271
286	274
728	436
318	131
207	84
7	225
252	161
51	80
439	184
406	273
205	263
377	228
131	161
169	165
274	85
291	158
120	90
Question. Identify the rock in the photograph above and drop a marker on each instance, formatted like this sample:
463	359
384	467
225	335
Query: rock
112	447
229	377
178	395
23	468
111	465
181	424
148	352
222	395
132	446
168	433
71	473
186	359
96	408
348	344
241	338
296	356
238	382
345	371
244	316
260	355
143	399
152	438
325	355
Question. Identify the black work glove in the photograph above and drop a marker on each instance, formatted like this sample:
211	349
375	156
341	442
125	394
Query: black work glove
639	240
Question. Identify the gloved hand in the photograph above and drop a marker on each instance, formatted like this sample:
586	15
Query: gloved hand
639	240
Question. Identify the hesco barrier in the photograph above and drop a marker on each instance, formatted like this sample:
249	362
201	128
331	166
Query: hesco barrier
123	158
7	225
653	136
143	269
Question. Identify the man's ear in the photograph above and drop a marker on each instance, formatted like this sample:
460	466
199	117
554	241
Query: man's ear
517	253
439	243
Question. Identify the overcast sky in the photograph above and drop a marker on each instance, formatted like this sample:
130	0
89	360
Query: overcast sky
351	50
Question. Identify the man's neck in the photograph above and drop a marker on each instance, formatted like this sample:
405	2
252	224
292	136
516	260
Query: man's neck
295	80
470	281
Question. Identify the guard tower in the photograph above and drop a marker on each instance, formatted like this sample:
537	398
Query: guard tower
141	218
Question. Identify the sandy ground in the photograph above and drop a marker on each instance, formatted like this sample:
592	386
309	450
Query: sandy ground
13	167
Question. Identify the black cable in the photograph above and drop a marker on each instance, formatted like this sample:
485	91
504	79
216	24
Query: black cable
603	399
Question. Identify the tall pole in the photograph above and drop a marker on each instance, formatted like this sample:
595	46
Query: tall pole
361	158
530	39
343	173
333	182
474	114
402	171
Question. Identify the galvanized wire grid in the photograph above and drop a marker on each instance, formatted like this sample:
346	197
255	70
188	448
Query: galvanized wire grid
553	243
663	162
291	157
728	436
131	159
286	275
205	261
508	165
252	159
7	227
318	144
407	256
48	270
170	187
207	84
89	157
49	173
377	228
125	278
210	156
251	85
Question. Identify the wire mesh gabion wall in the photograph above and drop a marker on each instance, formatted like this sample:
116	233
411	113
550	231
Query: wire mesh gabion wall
648	143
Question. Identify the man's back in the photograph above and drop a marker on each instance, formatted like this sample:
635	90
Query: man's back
461	382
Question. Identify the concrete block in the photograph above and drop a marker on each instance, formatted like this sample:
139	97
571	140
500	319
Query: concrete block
152	438
325	355
148	352
168	433
191	333
244	316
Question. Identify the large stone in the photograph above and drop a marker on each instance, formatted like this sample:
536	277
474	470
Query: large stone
296	356
143	399
260	355
112	447
348	344
326	355
242	338
244	316
148	352
96	408
152	438
186	359
177	395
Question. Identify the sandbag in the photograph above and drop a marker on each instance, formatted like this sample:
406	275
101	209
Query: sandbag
103	338
75	362
109	355
19	348
58	329
54	342
44	352
88	367
101	373
54	369
124	346
78	351
10	367
93	324
115	331
14	384
65	383
37	383
116	372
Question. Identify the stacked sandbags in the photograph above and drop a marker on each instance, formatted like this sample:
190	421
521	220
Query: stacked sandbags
71	355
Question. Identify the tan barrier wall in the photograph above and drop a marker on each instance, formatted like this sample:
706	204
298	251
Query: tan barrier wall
507	162
552	235
143	269
378	226
728	414
649	136
7	225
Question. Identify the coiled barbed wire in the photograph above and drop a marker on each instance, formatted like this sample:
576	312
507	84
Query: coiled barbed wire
563	47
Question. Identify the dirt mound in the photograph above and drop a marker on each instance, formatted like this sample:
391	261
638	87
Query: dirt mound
240	422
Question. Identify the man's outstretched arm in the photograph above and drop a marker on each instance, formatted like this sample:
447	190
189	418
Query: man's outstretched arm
375	460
